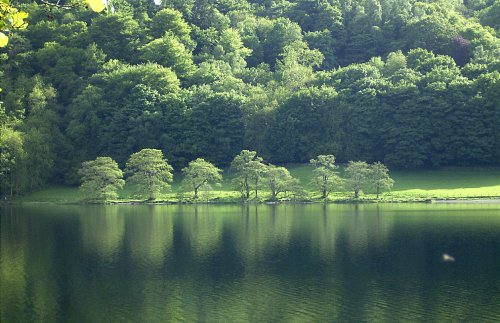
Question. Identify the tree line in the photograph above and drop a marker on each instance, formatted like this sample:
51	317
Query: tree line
150	174
413	84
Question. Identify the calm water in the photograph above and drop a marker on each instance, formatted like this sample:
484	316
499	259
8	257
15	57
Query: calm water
297	263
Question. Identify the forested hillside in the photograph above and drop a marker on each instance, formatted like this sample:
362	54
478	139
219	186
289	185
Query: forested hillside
413	84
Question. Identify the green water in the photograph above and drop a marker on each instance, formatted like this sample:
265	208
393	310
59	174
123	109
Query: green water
301	263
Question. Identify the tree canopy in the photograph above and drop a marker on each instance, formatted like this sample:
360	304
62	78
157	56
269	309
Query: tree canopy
200	174
149	172
101	179
325	177
249	169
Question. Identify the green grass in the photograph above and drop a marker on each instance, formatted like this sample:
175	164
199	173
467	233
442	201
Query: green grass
453	183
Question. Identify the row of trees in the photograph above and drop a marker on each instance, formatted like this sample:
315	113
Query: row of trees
149	173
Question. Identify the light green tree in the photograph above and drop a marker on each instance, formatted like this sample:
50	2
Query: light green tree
11	156
249	169
357	173
171	20
257	170
200	174
169	52
325	178
379	178
101	179
278	180
149	172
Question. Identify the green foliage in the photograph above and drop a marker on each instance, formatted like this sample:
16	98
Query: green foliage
413	84
357	176
171	21
249	170
325	178
168	51
10	19
214	125
379	178
279	181
409	186
200	174
101	179
303	125
11	155
117	35
149	172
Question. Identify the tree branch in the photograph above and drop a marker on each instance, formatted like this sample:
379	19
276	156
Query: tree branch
57	5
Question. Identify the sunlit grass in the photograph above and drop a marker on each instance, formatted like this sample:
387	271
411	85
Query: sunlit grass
421	185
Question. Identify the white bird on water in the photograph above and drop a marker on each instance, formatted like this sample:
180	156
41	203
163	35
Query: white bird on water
448	258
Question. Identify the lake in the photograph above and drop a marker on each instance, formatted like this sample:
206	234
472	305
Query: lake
301	263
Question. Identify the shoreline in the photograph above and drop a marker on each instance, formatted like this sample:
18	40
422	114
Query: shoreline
468	201
451	200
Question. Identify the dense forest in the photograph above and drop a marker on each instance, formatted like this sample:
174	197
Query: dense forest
413	84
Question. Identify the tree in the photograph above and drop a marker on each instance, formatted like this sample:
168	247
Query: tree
379	177
170	20
101	178
357	176
249	170
214	125
169	52
325	177
257	170
149	171
11	155
279	180
120	111
200	174
304	125
117	35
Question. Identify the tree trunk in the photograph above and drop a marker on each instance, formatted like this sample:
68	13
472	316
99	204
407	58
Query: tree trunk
256	183
247	189
356	194
11	184
378	191
196	192
273	192
324	187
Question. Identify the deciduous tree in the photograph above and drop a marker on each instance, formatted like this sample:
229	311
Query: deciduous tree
11	156
325	176
357	173
150	172
101	179
200	174
379	177
249	170
279	180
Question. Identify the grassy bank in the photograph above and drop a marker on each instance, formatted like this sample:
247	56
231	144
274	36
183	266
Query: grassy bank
410	186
